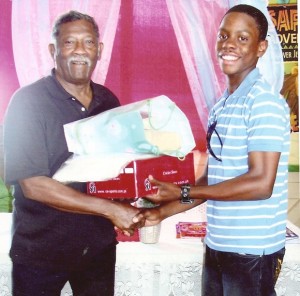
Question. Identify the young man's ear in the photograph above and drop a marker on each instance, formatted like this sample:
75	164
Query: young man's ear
263	46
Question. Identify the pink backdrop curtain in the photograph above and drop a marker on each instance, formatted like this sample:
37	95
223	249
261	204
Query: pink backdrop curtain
32	21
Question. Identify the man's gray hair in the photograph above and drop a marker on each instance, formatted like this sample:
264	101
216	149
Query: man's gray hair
72	16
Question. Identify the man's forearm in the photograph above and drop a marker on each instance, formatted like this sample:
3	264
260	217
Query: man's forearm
57	195
175	207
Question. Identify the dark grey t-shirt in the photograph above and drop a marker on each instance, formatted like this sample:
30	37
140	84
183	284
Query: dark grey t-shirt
35	145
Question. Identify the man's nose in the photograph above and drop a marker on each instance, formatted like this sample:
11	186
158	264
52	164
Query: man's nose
230	42
79	47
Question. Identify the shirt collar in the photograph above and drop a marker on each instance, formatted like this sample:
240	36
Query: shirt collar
56	89
246	84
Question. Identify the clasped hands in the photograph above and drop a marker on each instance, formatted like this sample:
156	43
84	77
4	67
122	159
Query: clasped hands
166	192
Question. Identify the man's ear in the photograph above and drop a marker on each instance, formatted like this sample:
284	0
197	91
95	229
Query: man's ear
262	48
100	48
51	49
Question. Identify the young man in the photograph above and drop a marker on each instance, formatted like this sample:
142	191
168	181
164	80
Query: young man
245	184
60	233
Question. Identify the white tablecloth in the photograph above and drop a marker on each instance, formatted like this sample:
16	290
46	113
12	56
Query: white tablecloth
171	267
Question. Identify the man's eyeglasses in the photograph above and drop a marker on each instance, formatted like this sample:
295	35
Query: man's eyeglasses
211	129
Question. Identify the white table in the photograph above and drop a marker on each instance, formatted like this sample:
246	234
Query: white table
171	267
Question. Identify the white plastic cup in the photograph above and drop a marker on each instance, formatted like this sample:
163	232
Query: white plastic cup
150	234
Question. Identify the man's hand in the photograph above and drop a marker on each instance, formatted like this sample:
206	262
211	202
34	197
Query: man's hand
147	217
122	218
166	191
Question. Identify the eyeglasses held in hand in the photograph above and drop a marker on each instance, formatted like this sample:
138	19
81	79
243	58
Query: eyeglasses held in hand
211	129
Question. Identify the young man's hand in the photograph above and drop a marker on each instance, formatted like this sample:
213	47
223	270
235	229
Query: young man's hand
165	191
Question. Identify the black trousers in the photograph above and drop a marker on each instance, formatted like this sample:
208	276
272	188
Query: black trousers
94	279
233	274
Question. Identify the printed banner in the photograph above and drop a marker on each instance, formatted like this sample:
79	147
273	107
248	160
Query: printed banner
285	19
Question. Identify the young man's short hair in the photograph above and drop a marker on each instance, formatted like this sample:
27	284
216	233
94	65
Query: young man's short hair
256	14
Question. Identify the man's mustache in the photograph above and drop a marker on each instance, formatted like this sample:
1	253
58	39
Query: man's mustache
80	59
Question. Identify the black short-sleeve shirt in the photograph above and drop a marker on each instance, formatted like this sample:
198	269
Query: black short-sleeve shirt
35	145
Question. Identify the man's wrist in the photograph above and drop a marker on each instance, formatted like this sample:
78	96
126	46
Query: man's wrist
185	194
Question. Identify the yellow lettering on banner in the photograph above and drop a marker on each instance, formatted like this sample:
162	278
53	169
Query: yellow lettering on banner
286	19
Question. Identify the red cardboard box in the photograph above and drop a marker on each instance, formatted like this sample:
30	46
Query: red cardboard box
133	182
124	238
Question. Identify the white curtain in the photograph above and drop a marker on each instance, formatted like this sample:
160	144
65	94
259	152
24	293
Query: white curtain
32	22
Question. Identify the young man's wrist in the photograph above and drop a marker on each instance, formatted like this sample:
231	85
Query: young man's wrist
185	194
